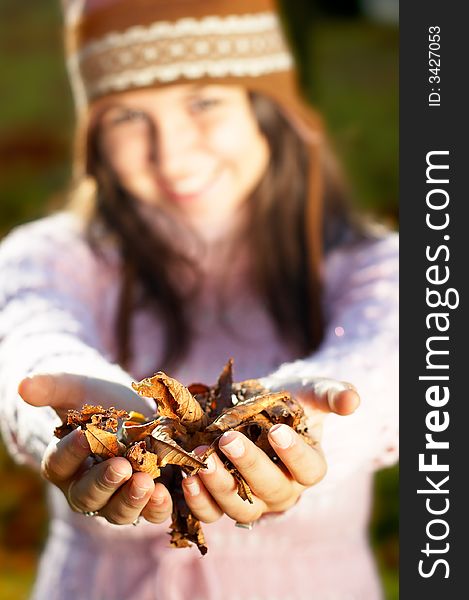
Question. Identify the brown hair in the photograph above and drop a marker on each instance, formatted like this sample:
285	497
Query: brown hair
275	233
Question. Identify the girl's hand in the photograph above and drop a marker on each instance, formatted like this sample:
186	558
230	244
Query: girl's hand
108	487
275	488
64	391
214	491
120	496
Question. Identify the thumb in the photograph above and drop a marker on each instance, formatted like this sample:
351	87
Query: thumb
318	393
64	391
330	395
61	391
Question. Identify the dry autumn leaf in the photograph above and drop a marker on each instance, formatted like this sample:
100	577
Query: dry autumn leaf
137	433
142	460
173	400
243	411
103	444
224	387
170	453
187	417
89	414
244	491
185	528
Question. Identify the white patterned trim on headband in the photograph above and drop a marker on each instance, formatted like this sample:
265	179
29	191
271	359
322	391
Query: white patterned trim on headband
236	45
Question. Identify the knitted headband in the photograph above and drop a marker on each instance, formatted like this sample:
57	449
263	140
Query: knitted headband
116	45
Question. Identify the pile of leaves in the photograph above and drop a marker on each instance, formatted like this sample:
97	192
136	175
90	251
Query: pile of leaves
186	417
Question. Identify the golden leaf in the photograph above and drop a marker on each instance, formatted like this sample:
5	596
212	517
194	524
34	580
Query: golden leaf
185	528
135	433
198	388
244	491
224	387
256	429
143	460
173	399
103	444
233	416
170	453
182	423
244	390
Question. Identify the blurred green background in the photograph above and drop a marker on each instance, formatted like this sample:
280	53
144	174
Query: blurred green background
348	60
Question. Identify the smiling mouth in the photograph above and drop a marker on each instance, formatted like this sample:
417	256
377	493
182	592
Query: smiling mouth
193	193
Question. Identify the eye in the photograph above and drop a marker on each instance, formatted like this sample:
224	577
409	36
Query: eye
121	116
131	115
201	105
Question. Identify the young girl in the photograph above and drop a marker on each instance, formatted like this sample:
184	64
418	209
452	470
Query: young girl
208	220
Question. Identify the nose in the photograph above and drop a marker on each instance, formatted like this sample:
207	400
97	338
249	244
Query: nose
174	142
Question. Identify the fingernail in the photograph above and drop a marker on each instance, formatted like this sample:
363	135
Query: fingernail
200	450
282	435
112	476
345	402
192	486
82	441
158	501
211	465
332	398
232	444
137	493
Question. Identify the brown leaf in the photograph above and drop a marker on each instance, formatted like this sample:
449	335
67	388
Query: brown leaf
300	425
89	413
143	460
173	399
233	416
102	417
83	416
185	528
182	423
107	423
171	427
177	432
289	411
205	396
62	430
224	387
198	388
170	453
135	433
200	438
103	444
77	418
244	390
256	429
244	491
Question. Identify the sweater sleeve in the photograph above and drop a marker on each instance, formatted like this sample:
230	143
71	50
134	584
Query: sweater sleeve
361	347
51	291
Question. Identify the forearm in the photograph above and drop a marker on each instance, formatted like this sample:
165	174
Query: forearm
26	429
52	290
360	347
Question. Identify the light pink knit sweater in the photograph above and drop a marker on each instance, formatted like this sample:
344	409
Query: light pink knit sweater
57	303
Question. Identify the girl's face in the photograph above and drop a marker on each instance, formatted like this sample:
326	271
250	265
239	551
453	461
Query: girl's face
196	150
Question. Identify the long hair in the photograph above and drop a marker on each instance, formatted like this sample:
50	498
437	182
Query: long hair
275	233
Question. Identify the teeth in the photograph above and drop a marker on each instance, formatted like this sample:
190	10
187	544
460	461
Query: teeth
192	187
189	190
